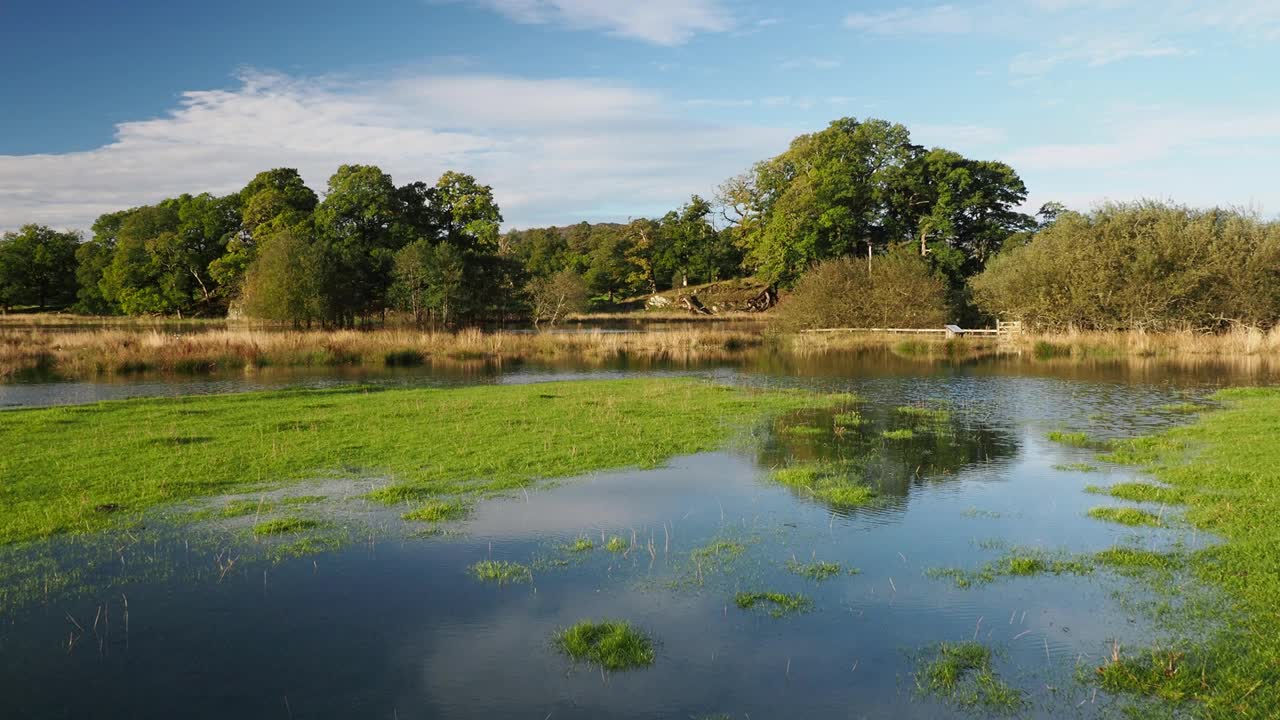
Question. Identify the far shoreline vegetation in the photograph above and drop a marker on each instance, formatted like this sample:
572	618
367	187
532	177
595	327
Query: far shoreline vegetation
851	227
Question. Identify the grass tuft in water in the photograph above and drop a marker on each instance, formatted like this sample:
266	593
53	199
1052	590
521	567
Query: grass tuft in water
832	483
1076	467
961	673
1126	516
438	511
903	434
286	526
849	419
581	545
1018	563
501	572
925	414
1078	440
818	570
779	604
1140	492
612	644
803	431
616	545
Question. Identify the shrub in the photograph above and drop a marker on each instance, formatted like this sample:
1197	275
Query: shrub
898	291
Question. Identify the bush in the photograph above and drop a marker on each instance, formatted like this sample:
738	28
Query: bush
1143	266
898	291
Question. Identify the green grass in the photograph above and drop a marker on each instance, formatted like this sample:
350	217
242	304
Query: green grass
1076	467
903	434
84	468
616	545
779	604
1017	563
851	418
1124	558
286	526
439	511
1044	350
1077	439
501	572
1140	492
961	673
836	484
1227	468
818	570
925	414
1126	516
581	545
803	431
612	644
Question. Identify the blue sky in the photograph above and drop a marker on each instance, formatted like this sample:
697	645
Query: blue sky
608	109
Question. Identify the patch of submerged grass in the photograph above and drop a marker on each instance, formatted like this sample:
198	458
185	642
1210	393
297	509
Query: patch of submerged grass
1139	492
1076	467
1141	451
1124	558
501	571
818	570
961	673
286	526
439	511
616	545
612	644
1018	563
1126	516
581	545
1227	467
1044	350
849	419
1183	408
779	604
903	434
312	545
832	483
803	431
925	414
430	440
1077	439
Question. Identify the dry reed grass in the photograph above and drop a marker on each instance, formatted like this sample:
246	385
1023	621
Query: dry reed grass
105	352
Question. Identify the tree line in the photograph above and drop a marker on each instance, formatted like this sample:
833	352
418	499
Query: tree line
859	222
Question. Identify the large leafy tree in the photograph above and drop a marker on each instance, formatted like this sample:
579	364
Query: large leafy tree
862	186
355	223
38	267
273	199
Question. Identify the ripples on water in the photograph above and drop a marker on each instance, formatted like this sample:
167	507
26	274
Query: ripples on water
393	626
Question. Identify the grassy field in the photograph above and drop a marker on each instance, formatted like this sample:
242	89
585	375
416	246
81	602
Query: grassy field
82	468
1226	469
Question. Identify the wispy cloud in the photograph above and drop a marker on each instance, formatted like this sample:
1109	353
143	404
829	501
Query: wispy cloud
1095	51
663	22
809	63
940	19
552	149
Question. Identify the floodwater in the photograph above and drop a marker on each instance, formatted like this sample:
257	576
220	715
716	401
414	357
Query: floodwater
201	621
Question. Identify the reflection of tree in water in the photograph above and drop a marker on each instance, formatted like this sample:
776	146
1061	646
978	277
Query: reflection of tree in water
936	450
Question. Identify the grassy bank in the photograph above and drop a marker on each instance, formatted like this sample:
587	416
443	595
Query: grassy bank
1226	469
81	468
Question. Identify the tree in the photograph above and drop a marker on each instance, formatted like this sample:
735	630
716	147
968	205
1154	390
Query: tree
471	217
354	223
38	267
285	282
272	199
862	186
552	298
429	281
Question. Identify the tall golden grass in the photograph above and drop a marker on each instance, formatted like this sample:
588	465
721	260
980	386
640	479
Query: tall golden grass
105	352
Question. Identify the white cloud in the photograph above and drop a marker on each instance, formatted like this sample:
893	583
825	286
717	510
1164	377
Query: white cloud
940	19
552	149
1094	51
957	137
809	63
664	22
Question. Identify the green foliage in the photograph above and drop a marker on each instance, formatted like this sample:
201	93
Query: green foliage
898	290
612	644
818	570
38	267
863	184
553	298
286	280
616	545
925	414
902	434
121	454
1077	439
779	604
581	545
501	572
1143	266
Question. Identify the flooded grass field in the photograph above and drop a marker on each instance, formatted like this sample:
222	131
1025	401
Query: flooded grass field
918	549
